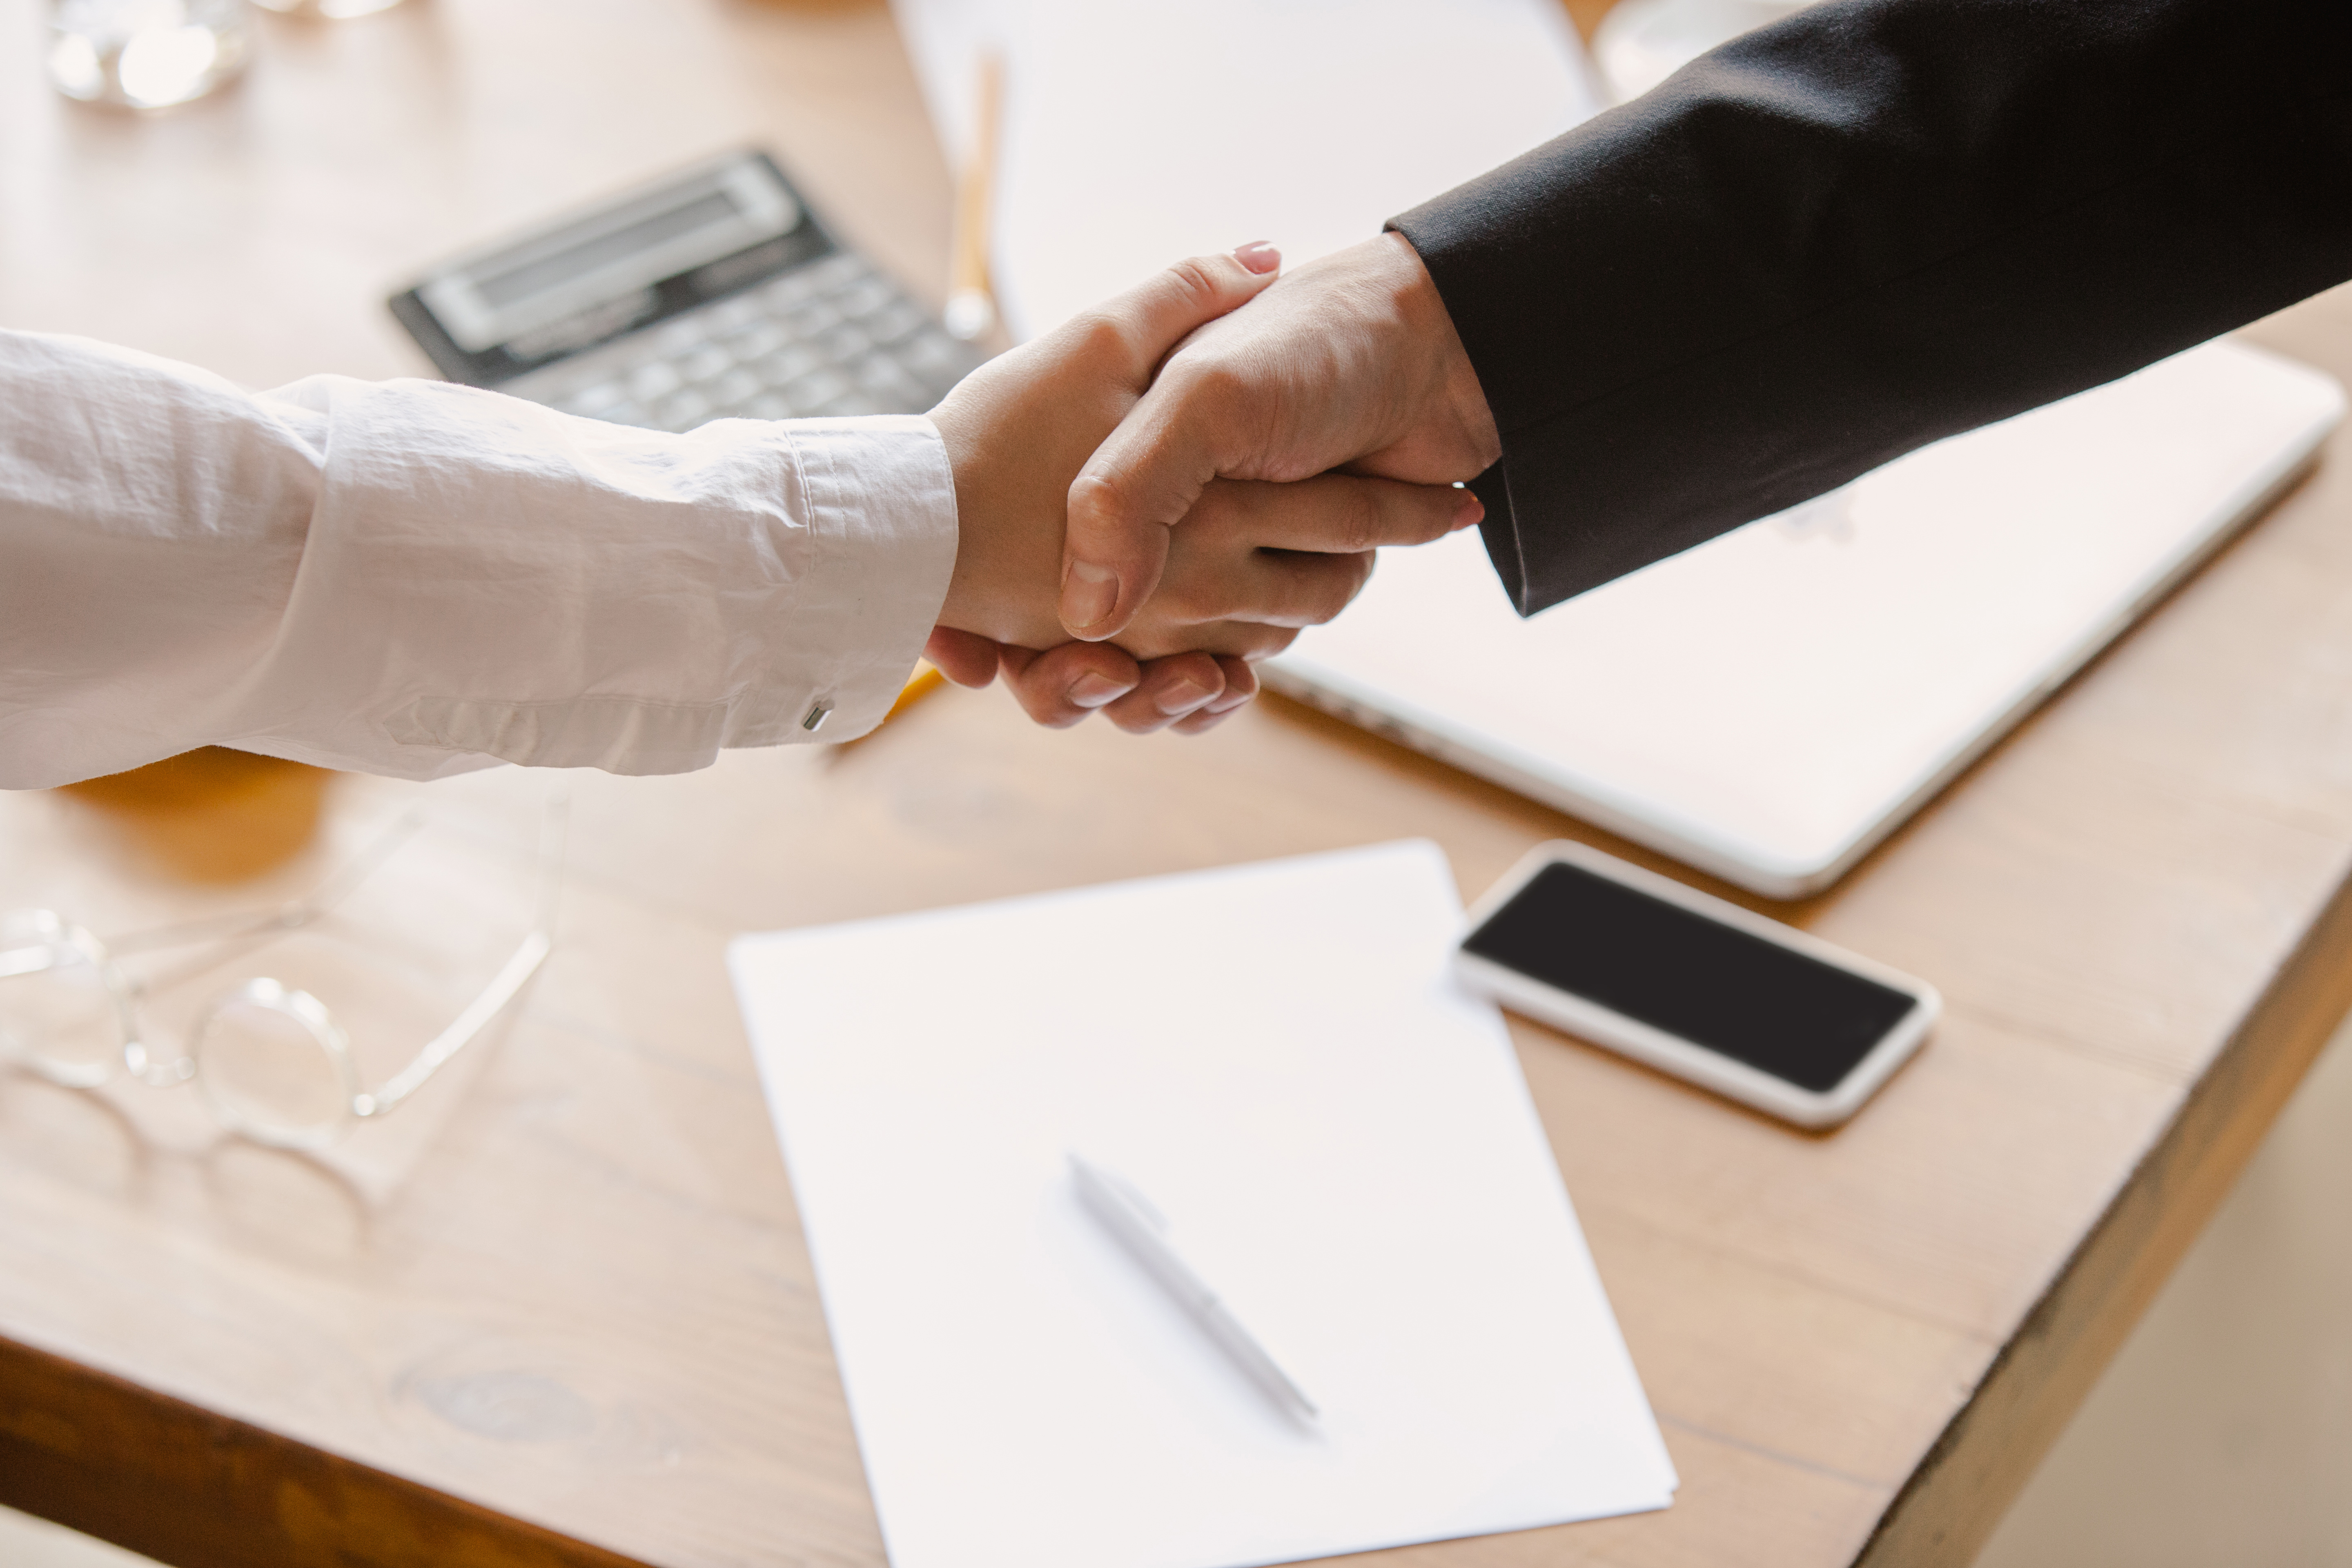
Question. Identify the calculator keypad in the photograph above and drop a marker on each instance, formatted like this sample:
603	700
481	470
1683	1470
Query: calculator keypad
831	338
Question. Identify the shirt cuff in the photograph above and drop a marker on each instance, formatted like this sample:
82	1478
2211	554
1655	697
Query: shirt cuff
882	514
487	580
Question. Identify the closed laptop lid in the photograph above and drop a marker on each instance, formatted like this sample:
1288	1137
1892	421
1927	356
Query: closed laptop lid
1770	704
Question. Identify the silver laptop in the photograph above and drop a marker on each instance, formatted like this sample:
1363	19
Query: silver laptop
1770	705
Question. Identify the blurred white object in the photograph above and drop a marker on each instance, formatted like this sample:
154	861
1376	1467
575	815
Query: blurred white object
1641	43
1135	133
1770	704
144	54
335	9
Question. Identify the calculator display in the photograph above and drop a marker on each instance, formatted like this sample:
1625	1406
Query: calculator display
712	294
536	277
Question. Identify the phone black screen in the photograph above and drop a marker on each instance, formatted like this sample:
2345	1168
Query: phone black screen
1661	964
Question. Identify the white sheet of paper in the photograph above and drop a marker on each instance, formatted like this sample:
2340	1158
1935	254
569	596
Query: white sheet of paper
1137	132
1341	1138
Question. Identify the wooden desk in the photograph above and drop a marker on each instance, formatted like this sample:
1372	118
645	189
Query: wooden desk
580	1326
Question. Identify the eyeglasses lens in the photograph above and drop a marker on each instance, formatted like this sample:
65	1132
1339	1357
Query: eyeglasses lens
269	1075
56	1016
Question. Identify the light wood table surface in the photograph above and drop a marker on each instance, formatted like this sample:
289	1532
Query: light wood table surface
571	1321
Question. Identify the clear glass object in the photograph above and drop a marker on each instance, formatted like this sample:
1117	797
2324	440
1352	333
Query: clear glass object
270	1061
144	54
337	9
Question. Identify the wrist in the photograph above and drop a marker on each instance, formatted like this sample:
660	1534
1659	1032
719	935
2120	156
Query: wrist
1002	585
1453	392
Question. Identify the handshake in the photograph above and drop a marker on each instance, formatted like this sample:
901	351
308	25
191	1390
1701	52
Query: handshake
1182	479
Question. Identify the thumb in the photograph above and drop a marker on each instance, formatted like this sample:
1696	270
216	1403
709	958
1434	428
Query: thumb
1118	537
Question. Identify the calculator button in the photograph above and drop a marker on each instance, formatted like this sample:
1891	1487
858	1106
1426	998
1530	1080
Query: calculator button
790	289
649	382
813	391
891	386
850	405
729	314
869	294
831	338
894	322
788	364
683	412
705	362
936	357
809	319
596	402
737	385
834	270
762	336
843	343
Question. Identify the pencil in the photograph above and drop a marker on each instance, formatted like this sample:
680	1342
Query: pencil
926	679
971	303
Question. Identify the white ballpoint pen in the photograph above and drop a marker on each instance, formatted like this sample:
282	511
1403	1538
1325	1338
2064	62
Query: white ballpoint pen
1122	1211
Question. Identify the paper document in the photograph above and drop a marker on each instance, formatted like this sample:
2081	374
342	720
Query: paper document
1334	1134
1137	132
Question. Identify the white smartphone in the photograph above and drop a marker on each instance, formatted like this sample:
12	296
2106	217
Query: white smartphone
1750	1008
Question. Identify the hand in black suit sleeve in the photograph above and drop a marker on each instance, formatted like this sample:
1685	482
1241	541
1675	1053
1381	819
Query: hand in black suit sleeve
1872	226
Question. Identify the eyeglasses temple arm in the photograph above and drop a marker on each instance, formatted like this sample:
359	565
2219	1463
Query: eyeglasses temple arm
553	823
29	960
460	1034
286	917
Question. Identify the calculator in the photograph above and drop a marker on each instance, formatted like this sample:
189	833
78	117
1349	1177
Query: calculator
712	294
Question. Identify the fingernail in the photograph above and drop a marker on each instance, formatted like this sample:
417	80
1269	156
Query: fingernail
1258	255
1180	698
1089	592
1092	690
1231	700
1469	509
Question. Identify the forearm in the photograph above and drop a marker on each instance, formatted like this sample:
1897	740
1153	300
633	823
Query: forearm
414	579
1877	223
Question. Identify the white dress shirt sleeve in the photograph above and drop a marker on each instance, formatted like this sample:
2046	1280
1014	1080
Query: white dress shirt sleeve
413	578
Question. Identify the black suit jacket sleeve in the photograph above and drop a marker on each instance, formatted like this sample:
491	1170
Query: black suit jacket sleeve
1869	227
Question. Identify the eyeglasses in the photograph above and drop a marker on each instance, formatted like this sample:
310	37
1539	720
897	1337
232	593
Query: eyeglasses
269	1060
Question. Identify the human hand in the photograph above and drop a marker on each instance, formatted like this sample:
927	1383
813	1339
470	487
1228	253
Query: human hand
1349	362
1255	561
1189	692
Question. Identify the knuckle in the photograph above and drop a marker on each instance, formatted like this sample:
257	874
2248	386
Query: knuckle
1098	337
1360	521
1101	509
1333	586
1196	282
1221	513
1272	641
1048	709
1139	721
1187	603
1345	583
1212	381
1428	516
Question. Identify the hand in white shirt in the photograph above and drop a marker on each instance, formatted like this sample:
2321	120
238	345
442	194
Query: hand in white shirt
1250	564
413	578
